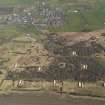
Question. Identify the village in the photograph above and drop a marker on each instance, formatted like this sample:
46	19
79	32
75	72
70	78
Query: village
41	17
33	58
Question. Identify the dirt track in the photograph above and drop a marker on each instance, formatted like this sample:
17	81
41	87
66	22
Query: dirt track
46	99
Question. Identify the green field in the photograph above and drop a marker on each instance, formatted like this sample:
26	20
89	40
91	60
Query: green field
10	32
16	2
90	15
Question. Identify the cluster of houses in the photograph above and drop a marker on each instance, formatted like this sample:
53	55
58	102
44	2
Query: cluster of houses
52	16
42	17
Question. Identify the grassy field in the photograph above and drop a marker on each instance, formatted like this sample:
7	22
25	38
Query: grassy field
82	15
90	19
51	1
16	2
10	32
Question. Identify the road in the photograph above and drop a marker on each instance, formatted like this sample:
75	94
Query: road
46	99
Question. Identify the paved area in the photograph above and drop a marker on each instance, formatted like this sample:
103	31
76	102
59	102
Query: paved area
47	99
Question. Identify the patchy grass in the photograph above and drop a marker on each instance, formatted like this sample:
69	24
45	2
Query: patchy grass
29	29
10	32
15	2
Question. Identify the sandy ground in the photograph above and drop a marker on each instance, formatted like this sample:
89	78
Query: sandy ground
80	36
47	99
